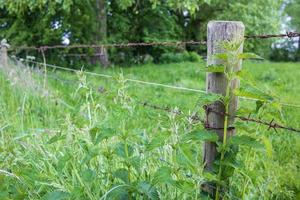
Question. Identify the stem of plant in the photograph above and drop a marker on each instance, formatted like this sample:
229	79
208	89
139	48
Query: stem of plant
227	98
45	69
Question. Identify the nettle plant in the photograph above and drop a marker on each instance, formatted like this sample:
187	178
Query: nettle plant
143	165
228	147
112	149
165	160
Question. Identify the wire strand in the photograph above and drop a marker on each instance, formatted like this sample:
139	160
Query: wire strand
196	118
148	82
126	79
146	44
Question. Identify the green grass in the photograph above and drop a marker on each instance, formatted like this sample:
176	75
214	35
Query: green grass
79	143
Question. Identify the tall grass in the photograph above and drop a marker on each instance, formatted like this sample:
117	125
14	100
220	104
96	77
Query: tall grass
84	143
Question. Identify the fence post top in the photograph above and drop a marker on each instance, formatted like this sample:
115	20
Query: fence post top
221	22
4	43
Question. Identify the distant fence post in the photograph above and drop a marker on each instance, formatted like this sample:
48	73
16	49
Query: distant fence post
3	53
218	31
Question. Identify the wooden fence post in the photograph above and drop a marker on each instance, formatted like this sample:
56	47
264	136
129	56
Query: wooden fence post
218	31
3	53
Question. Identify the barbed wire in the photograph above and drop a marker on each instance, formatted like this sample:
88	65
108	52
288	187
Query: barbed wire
112	77
266	36
195	117
113	45
143	82
272	124
145	44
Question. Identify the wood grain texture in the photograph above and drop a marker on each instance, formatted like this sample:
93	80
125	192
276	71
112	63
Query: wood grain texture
218	31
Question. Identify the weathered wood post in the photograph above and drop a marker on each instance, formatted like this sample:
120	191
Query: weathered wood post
3	53
218	31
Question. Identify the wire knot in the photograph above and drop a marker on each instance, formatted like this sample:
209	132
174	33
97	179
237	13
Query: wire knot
292	34
272	125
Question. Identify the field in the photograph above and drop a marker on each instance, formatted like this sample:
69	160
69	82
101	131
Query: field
92	138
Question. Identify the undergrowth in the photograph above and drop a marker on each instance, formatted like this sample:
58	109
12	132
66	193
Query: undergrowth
90	139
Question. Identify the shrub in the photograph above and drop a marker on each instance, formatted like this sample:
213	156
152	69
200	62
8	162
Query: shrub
180	57
194	57
148	59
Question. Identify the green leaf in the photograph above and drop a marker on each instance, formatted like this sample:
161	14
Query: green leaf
253	93
268	146
209	98
124	151
243	126
215	68
157	141
210	176
163	176
185	156
259	104
56	138
88	175
245	140
56	195
62	161
134	161
77	192
92	152
122	174
94	134
221	56
185	186
117	192
249	56
201	135
148	190
99	134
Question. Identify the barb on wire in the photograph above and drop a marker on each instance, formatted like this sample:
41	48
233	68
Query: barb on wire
167	109
272	124
113	45
143	82
287	34
145	44
196	118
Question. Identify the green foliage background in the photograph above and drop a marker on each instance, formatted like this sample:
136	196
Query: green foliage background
46	22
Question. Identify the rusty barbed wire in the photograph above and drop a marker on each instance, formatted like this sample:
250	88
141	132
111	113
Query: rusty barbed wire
167	109
272	124
196	118
266	36
113	45
144	44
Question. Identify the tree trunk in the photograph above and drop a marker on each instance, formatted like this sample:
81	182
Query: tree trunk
101	35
